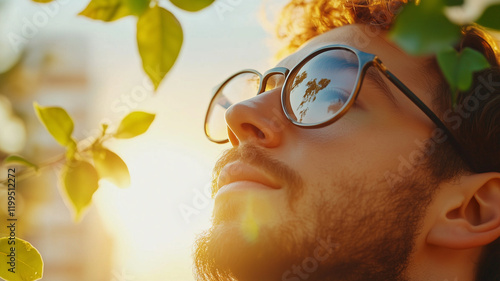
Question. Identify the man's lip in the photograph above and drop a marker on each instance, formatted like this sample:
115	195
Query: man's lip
240	171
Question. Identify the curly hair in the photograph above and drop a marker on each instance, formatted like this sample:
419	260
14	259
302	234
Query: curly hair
302	20
475	122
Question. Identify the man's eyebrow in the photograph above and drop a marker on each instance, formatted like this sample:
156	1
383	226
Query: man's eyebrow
379	82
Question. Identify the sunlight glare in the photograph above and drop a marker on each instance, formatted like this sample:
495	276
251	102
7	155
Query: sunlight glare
151	235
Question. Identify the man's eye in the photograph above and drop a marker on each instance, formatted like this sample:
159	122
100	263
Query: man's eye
335	95
336	104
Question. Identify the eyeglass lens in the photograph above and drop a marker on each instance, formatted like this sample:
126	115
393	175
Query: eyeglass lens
316	90
239	88
322	86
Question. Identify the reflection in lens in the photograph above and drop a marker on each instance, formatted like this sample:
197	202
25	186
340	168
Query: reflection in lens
239	88
313	88
322	86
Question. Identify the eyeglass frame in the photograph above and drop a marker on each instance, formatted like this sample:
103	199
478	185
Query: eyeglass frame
365	60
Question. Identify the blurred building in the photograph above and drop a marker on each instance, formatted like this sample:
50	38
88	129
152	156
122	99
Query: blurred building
53	71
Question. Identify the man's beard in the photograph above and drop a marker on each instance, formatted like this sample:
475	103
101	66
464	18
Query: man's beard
368	235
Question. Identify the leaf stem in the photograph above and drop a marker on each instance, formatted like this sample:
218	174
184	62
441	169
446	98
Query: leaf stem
29	172
26	173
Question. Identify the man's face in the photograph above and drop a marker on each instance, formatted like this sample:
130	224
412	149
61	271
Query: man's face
294	203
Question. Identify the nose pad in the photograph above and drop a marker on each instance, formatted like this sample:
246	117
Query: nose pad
259	119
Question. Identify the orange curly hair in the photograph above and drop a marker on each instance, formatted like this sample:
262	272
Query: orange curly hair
302	20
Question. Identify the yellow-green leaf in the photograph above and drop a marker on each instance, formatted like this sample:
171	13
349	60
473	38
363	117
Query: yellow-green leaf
458	68
424	28
192	5
110	10
58	123
28	264
138	7
80	181
490	18
111	167
15	159
42	1
134	124
453	2
159	39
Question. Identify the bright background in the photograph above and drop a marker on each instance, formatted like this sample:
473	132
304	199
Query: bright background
148	235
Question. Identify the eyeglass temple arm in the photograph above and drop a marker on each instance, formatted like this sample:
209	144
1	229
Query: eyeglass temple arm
410	95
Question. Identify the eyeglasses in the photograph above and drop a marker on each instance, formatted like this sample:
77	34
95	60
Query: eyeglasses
315	93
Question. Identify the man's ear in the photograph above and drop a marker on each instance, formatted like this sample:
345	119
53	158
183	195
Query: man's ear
470	214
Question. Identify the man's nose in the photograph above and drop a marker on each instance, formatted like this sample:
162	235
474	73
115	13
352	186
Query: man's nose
259	120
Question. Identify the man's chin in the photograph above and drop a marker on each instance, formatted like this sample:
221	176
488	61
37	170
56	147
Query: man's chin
243	253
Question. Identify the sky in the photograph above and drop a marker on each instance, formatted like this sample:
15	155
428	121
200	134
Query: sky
171	164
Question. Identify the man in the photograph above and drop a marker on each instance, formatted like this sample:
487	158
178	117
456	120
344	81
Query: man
333	179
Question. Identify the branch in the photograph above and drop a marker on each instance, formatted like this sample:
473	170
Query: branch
31	172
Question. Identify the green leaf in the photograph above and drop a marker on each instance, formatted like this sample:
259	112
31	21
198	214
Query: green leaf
159	39
110	10
111	167
28	261
15	159
453	2
192	5
138	7
490	17
134	124
58	123
458	68
424	29
80	181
